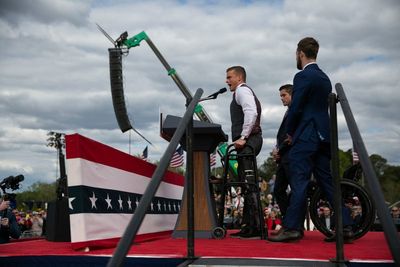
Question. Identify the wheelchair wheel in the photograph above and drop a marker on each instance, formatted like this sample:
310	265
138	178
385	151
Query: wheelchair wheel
355	197
218	233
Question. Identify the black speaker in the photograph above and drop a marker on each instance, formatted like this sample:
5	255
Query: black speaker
117	89
57	221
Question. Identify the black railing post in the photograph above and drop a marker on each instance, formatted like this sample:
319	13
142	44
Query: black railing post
190	190
131	230
391	235
337	193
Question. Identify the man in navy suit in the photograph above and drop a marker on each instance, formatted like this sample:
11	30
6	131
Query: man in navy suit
308	131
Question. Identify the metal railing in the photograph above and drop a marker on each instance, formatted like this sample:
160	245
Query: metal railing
391	235
131	230
337	196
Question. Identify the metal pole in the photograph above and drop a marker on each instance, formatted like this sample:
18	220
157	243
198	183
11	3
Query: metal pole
337	196
181	85
190	190
62	185
389	228
137	218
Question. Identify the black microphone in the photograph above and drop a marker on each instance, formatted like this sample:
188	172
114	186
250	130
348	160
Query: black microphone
221	91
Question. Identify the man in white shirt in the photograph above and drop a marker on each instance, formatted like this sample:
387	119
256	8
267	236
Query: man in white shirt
245	110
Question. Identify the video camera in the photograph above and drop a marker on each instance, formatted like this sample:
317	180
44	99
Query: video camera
13	183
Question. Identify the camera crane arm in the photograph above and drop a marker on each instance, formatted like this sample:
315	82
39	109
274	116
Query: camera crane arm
124	42
142	36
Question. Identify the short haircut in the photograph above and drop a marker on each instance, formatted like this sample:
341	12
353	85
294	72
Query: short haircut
309	46
287	87
239	70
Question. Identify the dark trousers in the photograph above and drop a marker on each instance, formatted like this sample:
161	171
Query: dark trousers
281	185
246	174
309	156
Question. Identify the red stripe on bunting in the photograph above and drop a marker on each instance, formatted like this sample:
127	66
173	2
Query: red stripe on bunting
79	146
112	242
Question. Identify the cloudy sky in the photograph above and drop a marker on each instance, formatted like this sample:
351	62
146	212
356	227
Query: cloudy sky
55	74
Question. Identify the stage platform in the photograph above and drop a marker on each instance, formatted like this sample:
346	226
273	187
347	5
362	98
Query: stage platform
370	250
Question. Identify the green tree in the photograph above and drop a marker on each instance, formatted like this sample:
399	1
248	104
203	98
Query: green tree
345	160
37	192
267	168
379	164
390	182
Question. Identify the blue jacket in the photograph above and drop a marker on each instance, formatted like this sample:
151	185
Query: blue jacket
308	110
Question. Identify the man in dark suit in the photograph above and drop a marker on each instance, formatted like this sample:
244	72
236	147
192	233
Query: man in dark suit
281	155
308	132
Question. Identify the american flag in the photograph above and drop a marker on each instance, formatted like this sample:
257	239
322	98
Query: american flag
355	155
177	158
213	159
144	154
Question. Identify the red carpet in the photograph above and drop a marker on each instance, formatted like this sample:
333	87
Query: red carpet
370	248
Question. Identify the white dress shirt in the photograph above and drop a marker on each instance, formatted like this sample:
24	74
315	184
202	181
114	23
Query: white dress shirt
245	98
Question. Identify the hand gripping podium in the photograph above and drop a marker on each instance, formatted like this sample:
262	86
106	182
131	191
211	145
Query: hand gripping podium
206	137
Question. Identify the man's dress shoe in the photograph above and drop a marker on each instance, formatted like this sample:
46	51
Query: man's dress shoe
286	236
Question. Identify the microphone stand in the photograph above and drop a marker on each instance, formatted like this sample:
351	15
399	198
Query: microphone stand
214	95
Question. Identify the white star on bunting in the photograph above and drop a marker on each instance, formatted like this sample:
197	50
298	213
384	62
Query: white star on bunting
129	203
70	202
159	205
108	200
120	203
93	200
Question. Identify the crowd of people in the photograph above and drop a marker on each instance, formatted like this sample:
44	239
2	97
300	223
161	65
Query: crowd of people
234	204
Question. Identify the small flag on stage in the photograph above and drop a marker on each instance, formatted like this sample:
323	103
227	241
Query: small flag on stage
213	159
355	155
144	154
177	158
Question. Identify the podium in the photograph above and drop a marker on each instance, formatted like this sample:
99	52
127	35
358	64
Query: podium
206	137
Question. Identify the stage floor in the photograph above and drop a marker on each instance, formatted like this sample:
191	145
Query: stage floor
370	250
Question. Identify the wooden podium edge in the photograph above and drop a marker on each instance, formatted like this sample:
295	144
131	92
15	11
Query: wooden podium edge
205	217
